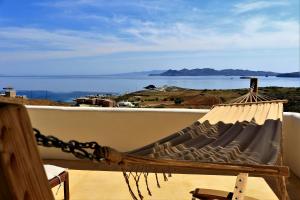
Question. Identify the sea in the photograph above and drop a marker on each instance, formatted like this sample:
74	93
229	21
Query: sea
66	88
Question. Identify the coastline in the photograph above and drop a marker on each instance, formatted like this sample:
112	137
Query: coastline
174	97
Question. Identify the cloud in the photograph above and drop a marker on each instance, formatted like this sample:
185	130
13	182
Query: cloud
148	5
126	26
255	33
33	43
256	5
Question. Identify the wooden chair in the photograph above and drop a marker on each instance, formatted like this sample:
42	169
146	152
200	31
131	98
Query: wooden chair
57	176
22	176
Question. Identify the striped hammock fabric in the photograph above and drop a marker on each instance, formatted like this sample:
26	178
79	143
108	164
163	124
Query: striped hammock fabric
234	133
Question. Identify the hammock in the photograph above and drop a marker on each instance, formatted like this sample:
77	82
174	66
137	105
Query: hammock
237	134
244	136
230	137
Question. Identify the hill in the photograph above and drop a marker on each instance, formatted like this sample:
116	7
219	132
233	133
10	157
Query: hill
176	97
290	75
213	72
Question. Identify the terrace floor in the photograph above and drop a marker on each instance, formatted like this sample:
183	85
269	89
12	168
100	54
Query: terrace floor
92	185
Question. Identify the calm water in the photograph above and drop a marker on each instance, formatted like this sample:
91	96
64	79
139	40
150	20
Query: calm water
64	85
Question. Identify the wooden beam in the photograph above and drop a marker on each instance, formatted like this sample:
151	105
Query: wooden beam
95	166
240	186
177	166
22	176
254	85
141	164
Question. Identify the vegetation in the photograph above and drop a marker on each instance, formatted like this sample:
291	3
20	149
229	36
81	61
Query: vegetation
175	97
34	101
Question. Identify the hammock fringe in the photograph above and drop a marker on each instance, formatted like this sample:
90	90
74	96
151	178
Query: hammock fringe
126	177
136	177
157	181
146	181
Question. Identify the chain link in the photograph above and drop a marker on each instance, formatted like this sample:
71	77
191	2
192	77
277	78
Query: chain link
82	150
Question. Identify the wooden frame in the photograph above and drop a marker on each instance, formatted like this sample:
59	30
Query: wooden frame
63	178
199	168
22	175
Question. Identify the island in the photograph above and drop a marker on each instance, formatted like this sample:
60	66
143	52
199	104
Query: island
213	72
290	75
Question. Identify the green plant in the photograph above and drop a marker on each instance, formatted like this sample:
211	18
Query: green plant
178	101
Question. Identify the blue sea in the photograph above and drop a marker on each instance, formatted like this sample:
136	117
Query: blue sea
66	88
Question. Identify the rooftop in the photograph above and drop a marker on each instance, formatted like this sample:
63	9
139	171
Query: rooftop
154	124
91	185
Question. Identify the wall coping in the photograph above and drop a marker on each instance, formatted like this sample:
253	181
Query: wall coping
102	109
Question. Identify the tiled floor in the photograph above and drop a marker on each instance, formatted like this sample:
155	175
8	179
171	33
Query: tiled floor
92	185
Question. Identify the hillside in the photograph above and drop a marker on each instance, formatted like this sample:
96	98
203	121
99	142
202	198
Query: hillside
290	75
175	97
43	102
213	72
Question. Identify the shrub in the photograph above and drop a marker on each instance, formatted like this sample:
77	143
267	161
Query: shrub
178	101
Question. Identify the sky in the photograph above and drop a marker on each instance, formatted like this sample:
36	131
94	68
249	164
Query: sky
115	36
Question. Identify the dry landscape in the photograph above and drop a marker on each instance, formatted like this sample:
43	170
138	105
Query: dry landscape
175	97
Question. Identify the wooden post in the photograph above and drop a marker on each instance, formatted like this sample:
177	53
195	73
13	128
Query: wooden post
22	176
240	186
66	188
282	188
254	85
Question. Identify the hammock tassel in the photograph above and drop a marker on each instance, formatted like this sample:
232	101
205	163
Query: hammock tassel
137	179
157	182
165	177
126	177
146	181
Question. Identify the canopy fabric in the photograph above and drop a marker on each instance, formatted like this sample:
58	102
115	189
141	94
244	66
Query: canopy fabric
234	133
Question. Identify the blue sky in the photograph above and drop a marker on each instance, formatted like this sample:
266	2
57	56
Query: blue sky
104	37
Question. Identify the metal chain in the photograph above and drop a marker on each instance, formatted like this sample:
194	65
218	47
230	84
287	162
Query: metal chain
82	150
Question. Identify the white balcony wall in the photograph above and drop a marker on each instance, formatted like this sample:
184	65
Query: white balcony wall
129	128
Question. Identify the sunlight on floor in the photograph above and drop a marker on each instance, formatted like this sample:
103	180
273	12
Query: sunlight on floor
92	185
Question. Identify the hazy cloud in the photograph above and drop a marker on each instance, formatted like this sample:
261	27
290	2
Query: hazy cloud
255	33
257	5
77	29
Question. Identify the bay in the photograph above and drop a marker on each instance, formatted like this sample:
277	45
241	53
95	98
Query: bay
64	88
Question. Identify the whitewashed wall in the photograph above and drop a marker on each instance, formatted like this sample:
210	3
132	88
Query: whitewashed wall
128	128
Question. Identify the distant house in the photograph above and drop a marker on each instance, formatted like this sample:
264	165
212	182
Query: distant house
105	102
150	87
81	100
125	104
95	101
10	92
91	101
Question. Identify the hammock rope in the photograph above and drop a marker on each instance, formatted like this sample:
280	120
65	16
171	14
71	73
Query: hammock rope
252	97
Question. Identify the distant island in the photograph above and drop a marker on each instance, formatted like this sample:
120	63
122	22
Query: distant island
213	72
290	75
